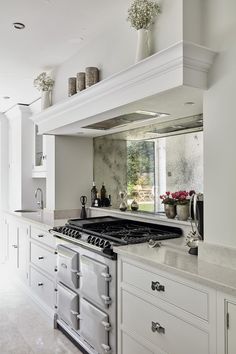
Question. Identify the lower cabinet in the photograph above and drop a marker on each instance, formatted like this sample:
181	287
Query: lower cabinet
231	327
154	319
43	287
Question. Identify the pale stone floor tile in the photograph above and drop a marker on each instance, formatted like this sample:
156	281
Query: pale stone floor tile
23	328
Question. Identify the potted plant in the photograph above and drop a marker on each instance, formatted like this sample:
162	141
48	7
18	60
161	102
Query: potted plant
169	205
182	201
141	15
44	83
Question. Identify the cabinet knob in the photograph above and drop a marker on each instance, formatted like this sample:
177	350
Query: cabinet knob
156	327
40	235
157	286
40	284
41	257
14	246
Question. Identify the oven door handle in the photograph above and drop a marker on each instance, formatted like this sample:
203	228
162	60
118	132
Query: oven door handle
106	325
79	274
106	348
75	313
106	276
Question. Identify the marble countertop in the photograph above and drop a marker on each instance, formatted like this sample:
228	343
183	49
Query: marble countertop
177	261
42	217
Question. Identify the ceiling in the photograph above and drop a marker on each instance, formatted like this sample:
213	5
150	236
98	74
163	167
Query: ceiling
54	31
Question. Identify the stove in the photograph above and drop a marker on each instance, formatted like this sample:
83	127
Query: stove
102	233
86	283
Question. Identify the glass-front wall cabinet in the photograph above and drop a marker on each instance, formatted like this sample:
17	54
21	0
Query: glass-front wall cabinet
148	161
39	156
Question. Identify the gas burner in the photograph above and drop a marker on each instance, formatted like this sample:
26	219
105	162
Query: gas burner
105	232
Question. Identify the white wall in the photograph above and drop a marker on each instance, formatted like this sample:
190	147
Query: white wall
73	171
220	124
114	49
4	163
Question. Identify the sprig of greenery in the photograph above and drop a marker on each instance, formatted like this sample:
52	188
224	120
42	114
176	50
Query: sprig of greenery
44	82
142	13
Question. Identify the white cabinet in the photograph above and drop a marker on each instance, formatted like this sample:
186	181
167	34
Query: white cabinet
226	324
159	313
39	155
231	328
18	249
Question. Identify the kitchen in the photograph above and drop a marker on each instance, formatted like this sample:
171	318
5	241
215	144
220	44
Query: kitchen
185	303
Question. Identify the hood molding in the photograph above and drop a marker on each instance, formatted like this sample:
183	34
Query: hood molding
182	64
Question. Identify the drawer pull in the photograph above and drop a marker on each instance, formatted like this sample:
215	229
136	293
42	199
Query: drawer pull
14	246
156	327
40	235
157	286
41	257
40	284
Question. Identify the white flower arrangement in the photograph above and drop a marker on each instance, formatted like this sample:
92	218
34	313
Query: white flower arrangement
43	82
142	13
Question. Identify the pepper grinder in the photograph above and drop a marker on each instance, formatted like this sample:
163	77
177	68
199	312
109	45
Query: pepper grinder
83	200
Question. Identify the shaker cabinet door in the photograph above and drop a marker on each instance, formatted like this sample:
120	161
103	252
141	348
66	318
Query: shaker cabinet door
231	333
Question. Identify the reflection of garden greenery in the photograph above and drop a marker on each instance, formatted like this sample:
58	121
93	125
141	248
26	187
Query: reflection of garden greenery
140	164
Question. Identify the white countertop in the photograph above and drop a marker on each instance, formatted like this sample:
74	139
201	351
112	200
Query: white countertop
42	217
176	260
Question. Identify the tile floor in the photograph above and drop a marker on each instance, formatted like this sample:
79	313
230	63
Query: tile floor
23	328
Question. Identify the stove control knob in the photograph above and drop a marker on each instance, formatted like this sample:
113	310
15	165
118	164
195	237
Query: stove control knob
101	243
89	239
77	234
97	241
92	241
107	244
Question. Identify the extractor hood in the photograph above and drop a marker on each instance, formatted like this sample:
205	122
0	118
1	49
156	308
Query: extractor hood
161	83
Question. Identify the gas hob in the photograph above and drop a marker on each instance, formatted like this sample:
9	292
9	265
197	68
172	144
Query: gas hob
106	232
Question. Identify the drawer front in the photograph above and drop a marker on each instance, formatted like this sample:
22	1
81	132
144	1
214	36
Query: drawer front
163	330
42	287
180	295
129	345
43	236
43	258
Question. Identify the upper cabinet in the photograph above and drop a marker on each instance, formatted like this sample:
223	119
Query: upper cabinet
39	155
140	95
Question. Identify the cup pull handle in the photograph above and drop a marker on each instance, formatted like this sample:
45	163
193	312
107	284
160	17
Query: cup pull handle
157	286
156	327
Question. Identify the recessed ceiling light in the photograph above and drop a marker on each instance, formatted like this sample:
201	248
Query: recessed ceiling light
189	103
18	25
6	97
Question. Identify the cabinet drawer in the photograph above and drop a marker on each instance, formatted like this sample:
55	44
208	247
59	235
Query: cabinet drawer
129	345
45	259
185	297
162	329
42	287
43	236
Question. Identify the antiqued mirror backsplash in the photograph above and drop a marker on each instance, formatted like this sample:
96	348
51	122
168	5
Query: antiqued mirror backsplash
145	164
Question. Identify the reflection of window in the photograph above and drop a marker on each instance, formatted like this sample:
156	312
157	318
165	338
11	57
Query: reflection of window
141	173
165	164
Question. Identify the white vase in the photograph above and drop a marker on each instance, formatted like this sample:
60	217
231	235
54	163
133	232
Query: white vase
46	99
143	44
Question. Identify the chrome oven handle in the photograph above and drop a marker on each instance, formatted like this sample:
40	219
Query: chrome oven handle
106	348
63	265
106	276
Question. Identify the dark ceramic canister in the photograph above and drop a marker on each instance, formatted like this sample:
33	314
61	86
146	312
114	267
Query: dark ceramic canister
92	76
71	86
80	81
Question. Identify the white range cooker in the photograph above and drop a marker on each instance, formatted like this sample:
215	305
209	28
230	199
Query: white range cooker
86	276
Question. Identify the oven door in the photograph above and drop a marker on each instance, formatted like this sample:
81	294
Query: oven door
94	327
68	306
95	279
68	266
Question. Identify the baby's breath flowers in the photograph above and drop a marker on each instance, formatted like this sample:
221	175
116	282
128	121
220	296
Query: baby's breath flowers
44	82
142	13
